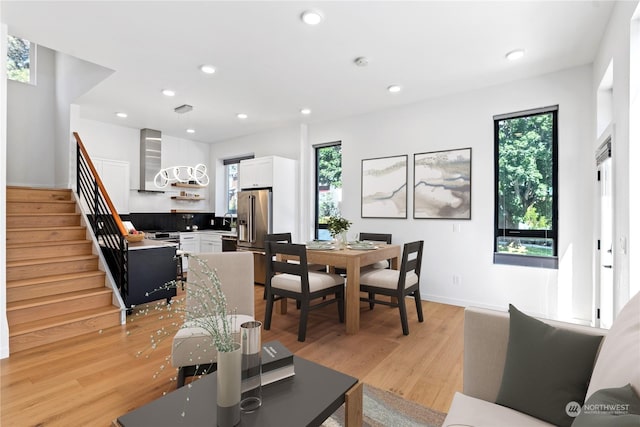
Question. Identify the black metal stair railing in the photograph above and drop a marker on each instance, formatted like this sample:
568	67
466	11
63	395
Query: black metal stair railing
103	218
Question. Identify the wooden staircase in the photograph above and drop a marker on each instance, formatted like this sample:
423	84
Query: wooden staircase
54	287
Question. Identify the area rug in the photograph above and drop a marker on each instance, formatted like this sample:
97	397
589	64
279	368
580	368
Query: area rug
384	409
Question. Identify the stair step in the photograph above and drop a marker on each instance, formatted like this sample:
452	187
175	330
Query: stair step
32	334
25	251
19	290
42	220
37	194
55	305
45	234
54	288
58	206
31	268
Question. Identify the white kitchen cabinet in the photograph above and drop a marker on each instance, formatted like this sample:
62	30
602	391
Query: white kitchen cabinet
210	242
115	177
257	173
190	244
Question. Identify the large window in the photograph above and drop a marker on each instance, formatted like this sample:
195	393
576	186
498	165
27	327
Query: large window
328	186
232	183
21	60
526	188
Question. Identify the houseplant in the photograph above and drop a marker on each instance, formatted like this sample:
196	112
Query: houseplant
338	227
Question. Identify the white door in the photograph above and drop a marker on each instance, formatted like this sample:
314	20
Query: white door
115	177
605	290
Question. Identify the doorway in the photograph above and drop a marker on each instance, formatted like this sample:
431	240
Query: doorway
605	292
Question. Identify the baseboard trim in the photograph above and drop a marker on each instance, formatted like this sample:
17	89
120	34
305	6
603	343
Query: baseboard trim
468	303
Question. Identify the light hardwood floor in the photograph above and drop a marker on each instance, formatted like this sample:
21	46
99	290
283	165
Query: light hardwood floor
93	379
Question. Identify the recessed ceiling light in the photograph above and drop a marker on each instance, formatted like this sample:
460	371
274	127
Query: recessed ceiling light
515	54
242	116
122	115
191	131
305	111
394	88
311	17
208	69
168	92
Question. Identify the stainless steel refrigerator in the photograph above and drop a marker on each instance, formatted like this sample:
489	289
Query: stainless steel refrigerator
254	218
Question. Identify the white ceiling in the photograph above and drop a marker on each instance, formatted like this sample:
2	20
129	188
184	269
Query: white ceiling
270	65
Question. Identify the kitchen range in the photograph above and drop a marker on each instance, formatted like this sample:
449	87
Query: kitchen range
166	236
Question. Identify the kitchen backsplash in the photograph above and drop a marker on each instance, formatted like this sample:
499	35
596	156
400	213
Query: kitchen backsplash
174	221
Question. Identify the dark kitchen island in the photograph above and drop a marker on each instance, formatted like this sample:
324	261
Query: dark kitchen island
151	264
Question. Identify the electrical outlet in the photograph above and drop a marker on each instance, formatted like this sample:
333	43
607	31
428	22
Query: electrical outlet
456	279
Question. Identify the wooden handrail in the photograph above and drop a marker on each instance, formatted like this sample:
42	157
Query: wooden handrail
114	212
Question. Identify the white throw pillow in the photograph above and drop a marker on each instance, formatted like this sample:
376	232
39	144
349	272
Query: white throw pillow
619	360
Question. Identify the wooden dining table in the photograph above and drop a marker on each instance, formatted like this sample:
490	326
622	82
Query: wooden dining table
352	260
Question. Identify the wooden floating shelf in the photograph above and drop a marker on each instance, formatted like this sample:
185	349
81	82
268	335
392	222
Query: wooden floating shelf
191	199
180	184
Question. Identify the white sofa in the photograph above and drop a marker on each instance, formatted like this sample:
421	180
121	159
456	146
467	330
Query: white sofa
486	337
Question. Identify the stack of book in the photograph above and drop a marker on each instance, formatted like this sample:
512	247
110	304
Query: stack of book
277	362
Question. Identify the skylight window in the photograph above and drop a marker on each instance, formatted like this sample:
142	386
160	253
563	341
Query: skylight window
21	60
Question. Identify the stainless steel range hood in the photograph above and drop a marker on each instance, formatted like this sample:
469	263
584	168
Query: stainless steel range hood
150	159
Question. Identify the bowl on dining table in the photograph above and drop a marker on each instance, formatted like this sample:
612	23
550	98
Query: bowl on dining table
320	245
361	245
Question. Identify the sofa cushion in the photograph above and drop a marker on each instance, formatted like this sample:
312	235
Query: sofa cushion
610	407
617	362
546	368
470	411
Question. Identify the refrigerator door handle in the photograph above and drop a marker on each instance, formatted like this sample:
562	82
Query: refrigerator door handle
252	214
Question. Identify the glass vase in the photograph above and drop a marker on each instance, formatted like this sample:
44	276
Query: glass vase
342	239
251	366
229	374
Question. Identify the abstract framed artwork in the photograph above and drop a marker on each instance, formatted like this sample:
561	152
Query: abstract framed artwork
442	184
384	187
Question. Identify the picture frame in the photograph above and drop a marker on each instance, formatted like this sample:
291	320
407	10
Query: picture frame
442	184
384	187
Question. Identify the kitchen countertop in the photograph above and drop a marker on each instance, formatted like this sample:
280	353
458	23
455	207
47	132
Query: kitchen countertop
149	244
216	232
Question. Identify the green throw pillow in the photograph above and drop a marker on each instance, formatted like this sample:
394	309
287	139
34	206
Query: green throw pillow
610	407
546	368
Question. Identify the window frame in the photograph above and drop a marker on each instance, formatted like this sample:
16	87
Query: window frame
33	47
226	163
518	259
317	225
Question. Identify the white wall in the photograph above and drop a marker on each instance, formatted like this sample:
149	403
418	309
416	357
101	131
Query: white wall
4	325
73	78
615	48
31	130
39	140
107	141
466	120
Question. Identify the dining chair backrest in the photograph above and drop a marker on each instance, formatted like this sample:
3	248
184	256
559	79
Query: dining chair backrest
278	237
276	265
375	237
411	263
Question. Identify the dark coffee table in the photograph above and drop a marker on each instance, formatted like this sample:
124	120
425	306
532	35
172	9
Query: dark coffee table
306	399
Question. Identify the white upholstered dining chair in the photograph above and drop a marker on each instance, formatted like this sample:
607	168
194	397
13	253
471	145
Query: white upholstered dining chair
294	280
396	283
